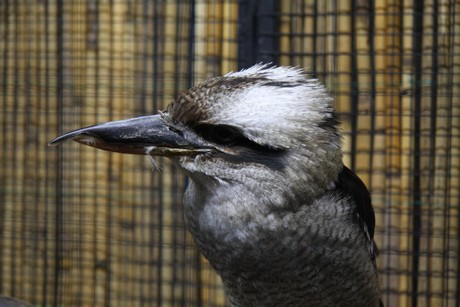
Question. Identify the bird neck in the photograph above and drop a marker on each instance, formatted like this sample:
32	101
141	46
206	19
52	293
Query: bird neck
222	214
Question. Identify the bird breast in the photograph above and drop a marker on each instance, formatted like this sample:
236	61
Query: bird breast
312	252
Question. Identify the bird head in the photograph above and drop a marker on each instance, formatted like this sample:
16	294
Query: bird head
258	127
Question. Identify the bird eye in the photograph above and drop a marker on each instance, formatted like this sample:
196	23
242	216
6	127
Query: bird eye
219	134
223	135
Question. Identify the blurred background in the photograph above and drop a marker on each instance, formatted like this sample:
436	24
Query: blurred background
82	227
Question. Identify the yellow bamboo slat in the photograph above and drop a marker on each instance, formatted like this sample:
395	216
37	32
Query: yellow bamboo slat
382	144
435	240
229	36
214	36
407	147
393	146
72	100
337	49
451	269
307	26
446	145
284	28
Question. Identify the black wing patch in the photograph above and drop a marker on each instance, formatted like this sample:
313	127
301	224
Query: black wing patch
350	185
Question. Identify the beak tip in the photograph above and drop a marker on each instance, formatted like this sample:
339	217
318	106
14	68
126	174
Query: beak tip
62	138
54	142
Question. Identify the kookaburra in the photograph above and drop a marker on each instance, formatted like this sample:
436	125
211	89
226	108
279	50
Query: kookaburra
270	203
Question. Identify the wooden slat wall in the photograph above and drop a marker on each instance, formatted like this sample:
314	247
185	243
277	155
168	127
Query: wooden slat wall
90	228
28	115
85	227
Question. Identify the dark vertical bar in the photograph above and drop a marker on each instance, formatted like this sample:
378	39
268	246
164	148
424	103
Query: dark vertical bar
257	32
314	67
24	161
267	32
417	195
354	86
59	169
108	241
156	53
4	95
191	45
44	301
371	34
433	118
247	33
37	184
14	177
454	39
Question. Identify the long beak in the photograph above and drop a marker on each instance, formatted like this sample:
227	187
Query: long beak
141	135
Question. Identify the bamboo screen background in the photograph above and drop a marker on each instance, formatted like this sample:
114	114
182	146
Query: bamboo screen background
81	227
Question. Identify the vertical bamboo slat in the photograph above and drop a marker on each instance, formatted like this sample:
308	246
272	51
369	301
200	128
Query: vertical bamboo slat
48	198
381	164
89	214
407	143
71	103
172	50
446	153
284	29
437	144
393	147
214	36
123	212
453	193
308	29
37	155
17	104
339	62
364	108
427	280
229	36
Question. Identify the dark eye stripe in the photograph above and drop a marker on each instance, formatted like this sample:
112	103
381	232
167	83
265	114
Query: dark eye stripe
229	136
222	134
245	150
